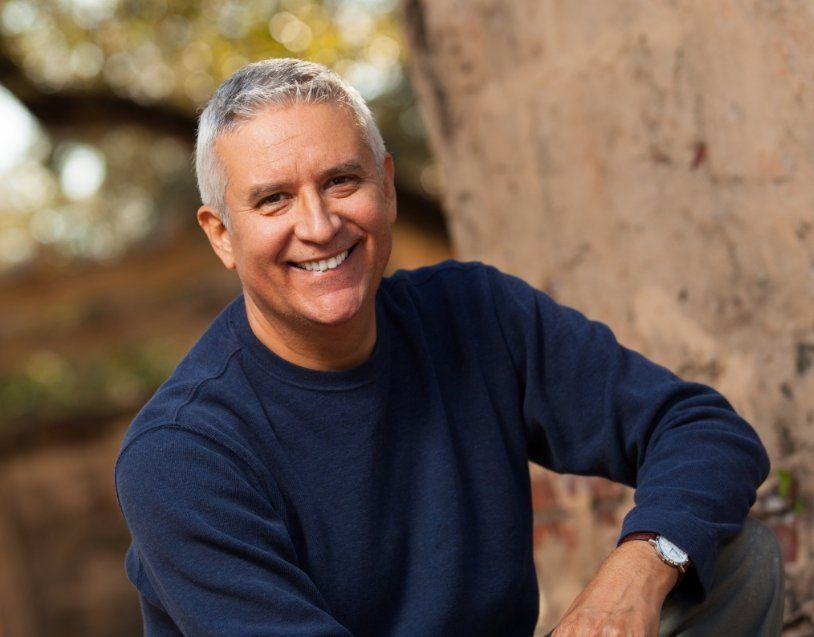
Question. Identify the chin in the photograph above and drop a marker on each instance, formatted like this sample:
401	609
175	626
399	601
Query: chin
335	315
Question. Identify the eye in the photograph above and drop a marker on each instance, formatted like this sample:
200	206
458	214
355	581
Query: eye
272	201
342	182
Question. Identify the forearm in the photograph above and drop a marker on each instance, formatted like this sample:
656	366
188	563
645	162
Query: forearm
627	593
699	475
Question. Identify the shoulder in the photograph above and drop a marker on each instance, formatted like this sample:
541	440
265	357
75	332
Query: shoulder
453	303
460	285
206	393
437	274
456	277
435	284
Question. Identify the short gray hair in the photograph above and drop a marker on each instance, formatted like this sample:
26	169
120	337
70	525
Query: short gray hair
278	81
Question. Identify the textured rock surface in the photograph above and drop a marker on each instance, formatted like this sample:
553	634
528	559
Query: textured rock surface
652	164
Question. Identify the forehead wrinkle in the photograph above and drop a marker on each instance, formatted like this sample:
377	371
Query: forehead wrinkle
266	162
257	138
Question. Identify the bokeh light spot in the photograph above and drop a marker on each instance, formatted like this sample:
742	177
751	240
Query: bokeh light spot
82	170
18	16
89	13
369	79
47	226
18	130
26	187
232	20
290	31
383	51
355	25
87	60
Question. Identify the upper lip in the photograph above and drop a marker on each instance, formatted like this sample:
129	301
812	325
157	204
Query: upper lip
325	258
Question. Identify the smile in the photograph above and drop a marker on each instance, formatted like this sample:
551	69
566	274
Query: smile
322	265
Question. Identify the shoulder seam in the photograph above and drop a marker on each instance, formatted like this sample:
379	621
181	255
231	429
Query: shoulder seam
196	388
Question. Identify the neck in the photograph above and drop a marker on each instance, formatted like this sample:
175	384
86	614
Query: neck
317	347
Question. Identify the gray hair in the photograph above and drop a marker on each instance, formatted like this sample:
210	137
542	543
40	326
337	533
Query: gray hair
278	81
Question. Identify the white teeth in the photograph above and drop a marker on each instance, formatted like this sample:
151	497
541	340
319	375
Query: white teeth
325	264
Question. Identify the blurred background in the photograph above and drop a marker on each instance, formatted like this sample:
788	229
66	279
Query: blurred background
105	278
638	121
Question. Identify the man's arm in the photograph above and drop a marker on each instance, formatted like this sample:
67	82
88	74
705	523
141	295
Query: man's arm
214	549
593	407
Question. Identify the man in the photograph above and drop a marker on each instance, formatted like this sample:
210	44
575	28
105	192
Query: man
342	454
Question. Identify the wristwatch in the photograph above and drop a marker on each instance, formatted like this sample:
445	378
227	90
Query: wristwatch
668	552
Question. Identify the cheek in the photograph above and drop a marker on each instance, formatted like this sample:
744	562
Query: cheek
378	217
261	244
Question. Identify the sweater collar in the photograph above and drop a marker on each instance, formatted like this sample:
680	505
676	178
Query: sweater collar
288	372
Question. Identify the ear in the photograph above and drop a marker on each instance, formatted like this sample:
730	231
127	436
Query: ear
388	176
218	235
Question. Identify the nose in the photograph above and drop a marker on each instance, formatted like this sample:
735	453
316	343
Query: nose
315	223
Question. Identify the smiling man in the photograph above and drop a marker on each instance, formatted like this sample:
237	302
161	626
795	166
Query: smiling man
310	210
342	454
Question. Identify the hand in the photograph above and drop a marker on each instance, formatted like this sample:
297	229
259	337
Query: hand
624	598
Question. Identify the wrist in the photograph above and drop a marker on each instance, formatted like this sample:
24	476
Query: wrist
653	576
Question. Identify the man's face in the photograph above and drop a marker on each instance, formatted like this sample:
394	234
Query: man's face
303	194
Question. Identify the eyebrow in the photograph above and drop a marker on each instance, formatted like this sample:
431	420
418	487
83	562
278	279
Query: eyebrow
259	190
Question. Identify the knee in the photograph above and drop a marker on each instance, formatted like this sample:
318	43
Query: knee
753	557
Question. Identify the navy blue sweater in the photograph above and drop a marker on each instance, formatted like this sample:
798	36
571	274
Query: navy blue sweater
392	499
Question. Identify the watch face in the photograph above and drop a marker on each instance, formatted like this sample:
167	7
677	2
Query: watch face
671	551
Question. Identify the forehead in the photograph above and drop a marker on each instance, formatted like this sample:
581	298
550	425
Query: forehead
292	137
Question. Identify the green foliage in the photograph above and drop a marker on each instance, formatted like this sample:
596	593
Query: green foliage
787	489
153	50
53	387
785	480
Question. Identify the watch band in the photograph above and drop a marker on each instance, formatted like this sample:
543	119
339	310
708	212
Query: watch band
639	535
651	538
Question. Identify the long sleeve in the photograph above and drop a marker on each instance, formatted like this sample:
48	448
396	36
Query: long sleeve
593	407
211	545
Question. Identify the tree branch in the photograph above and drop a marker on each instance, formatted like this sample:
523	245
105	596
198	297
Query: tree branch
76	107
